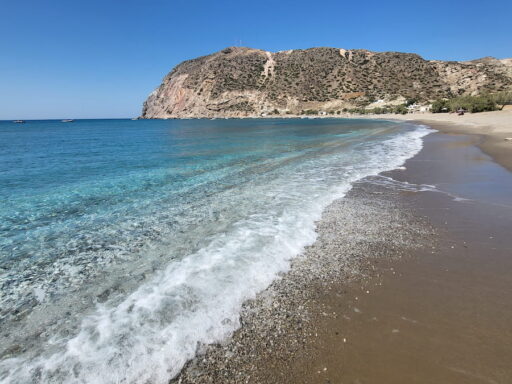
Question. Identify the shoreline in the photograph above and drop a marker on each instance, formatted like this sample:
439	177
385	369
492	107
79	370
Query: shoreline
280	326
307	326
30	351
442	314
494	127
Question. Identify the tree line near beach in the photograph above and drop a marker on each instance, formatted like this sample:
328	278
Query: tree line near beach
479	103
400	109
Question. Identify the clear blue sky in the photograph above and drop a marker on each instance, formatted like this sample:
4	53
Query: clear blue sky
101	58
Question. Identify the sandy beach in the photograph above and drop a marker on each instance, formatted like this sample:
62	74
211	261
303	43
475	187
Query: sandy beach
392	264
442	313
494	129
256	193
407	283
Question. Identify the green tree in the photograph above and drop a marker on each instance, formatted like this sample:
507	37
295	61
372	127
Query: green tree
472	104
502	98
411	101
440	106
401	109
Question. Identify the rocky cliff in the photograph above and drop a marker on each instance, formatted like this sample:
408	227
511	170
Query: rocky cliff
238	82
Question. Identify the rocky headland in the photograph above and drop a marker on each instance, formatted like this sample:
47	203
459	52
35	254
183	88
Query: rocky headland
246	82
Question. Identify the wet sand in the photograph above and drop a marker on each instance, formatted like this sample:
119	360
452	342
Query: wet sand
402	285
444	314
495	143
494	129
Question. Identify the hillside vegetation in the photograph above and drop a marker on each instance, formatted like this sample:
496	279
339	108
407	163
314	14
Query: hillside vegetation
238	82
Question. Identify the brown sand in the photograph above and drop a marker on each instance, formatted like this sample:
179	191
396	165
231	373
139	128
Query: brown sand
445	314
493	127
440	312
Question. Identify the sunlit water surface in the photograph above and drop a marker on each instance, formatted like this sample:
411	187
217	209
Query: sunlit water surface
127	244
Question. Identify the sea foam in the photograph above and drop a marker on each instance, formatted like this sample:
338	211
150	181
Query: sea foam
195	300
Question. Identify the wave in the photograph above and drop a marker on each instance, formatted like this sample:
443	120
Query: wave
196	300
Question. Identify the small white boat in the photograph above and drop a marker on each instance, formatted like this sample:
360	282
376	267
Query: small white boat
67	121
19	121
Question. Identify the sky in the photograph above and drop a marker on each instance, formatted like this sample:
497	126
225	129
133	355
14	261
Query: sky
101	58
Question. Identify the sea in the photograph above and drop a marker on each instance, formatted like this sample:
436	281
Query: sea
127	246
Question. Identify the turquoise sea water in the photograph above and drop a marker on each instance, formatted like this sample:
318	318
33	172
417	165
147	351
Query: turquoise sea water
126	244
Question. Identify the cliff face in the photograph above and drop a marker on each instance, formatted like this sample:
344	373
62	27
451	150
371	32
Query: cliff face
238	82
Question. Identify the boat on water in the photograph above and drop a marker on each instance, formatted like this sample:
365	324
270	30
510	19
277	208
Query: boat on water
19	121
67	121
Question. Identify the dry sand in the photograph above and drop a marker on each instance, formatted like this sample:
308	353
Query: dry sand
493	127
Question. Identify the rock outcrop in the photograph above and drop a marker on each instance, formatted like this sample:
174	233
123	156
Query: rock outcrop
239	82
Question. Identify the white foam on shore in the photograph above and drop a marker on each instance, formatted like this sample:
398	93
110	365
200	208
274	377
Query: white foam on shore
397	185
197	300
